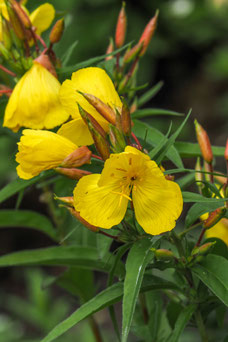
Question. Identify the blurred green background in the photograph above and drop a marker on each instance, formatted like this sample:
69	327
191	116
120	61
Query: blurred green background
189	52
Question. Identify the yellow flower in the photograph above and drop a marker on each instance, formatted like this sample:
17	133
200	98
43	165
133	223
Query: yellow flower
219	230
42	17
34	102
102	199
94	81
43	150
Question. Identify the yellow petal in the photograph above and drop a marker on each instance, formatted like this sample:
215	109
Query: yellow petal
41	150
3	10
76	131
219	230
42	17
34	102
157	202
94	81
100	206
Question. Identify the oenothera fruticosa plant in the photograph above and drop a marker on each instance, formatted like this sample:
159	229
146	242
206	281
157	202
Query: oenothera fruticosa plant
101	168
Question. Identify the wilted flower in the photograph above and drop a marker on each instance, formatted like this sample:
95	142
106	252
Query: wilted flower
44	150
34	102
93	81
102	199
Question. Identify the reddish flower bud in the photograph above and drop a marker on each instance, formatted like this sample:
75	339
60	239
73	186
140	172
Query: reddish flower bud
15	21
57	31
102	108
99	137
131	54
45	61
79	157
24	18
67	200
110	49
226	151
76	214
203	249
214	217
72	173
148	33
164	254
117	139
204	143
121	27
126	119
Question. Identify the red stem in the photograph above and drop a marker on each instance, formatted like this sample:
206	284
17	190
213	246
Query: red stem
200	237
136	140
96	157
41	40
5	91
11	73
108	235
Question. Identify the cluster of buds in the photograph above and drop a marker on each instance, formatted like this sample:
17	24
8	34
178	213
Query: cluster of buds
20	38
206	150
119	132
126	65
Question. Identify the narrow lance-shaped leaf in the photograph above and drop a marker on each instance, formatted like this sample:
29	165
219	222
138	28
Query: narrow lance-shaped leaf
154	137
27	219
85	257
150	94
181	322
212	271
137	260
142	113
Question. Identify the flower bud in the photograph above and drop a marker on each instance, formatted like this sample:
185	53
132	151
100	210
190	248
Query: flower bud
45	61
214	217
57	31
24	18
126	119
4	52
148	33
110	49
99	137
67	200
117	139
6	37
80	156
131	54
203	249
204	143
121	27
76	214
163	254
226	151
15	21
102	108
72	173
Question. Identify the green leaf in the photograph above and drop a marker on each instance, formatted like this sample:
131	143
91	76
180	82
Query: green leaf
181	322
142	113
90	61
20	184
85	257
212	271
192	150
171	140
137	260
108	297
192	197
154	153
27	219
186	180
67	55
199	209
150	94
154	137
105	298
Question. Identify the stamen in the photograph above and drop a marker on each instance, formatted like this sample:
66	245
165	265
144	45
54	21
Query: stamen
130	161
121	170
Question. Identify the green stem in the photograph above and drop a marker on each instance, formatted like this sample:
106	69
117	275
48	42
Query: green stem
201	326
189	229
178	244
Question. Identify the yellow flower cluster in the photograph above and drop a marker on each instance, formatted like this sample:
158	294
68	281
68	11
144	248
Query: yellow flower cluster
102	200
